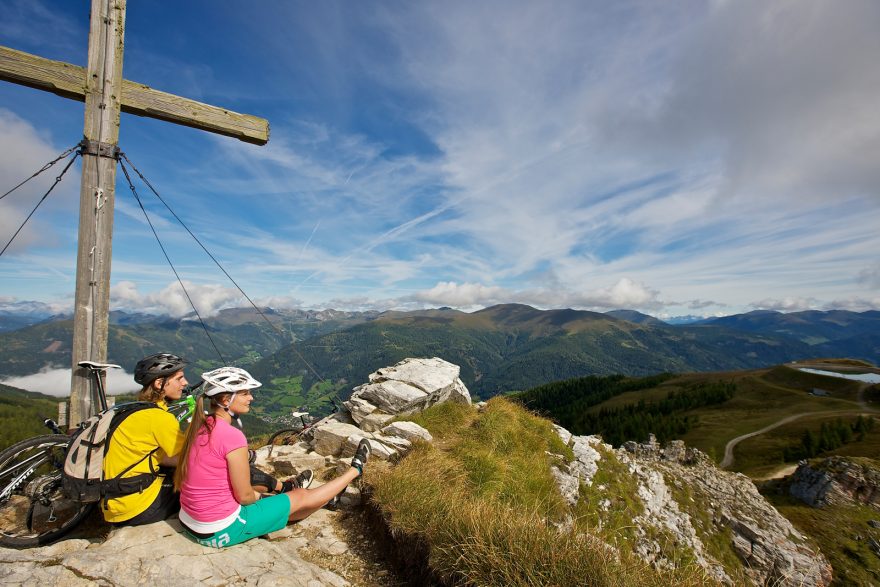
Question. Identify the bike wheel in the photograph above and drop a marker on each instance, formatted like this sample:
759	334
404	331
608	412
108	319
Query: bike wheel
33	509
285	436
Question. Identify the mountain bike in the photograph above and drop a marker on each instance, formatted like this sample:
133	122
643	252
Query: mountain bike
288	436
33	508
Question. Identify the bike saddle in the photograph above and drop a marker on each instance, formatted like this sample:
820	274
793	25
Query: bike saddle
97	366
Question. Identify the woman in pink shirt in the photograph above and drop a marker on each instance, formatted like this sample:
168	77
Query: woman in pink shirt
218	505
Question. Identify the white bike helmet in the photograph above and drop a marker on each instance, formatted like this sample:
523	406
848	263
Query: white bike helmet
228	380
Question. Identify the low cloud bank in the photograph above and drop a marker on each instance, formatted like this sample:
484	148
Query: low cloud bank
625	293
55	381
171	300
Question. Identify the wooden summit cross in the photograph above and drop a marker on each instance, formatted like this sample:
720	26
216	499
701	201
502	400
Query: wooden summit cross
105	93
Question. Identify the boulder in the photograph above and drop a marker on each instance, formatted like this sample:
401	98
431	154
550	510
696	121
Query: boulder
160	554
836	481
287	461
379	449
408	430
400	444
374	421
330	438
409	386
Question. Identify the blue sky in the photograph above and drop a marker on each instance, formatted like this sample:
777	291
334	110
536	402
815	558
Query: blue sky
691	157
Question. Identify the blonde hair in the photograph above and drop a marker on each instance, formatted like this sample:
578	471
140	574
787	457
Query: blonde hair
199	420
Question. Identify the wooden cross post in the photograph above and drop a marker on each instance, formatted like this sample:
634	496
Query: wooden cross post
105	94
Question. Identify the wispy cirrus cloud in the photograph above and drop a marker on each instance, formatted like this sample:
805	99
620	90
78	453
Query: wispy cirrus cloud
665	156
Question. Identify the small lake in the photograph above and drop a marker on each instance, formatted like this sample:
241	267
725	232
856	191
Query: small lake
864	377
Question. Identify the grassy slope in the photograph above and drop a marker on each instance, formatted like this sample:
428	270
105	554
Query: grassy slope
482	501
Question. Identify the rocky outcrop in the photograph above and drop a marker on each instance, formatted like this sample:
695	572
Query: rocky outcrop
410	386
836	481
688	501
673	500
159	554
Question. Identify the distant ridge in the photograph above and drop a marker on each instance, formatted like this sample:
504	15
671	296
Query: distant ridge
501	348
636	317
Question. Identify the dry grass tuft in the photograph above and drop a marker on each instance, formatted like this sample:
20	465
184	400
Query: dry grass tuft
487	507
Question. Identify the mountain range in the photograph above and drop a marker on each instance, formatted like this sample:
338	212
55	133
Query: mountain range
306	357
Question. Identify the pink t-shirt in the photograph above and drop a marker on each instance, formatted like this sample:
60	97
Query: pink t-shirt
206	494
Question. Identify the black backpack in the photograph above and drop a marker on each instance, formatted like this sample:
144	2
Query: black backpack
83	476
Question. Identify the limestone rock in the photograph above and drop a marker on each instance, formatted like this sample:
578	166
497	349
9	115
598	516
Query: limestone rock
286	461
836	481
390	396
330	438
408	430
159	554
425	374
374	421
379	450
402	445
688	500
409	386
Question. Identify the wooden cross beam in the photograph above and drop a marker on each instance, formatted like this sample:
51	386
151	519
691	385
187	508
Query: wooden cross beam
69	80
106	94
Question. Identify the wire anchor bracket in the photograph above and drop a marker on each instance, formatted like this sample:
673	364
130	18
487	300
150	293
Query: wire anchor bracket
99	149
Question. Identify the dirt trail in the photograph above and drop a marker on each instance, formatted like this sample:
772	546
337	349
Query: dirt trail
728	450
727	461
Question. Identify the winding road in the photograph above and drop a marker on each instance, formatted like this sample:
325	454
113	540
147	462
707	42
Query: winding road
727	461
728	450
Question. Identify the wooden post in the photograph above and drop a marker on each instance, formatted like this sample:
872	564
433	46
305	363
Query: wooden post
102	88
62	414
101	131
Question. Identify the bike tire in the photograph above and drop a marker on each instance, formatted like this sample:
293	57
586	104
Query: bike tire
284	436
33	509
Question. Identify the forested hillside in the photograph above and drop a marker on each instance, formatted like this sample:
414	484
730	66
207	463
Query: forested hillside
240	335
22	414
514	347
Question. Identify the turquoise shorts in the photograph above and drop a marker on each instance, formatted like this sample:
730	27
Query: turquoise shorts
261	517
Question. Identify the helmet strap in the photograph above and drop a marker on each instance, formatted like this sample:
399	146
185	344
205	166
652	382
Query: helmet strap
226	407
231	413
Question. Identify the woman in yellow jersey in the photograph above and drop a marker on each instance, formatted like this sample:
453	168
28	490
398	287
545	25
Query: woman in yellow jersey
148	441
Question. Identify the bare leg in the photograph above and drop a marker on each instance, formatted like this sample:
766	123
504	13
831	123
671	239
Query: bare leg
305	502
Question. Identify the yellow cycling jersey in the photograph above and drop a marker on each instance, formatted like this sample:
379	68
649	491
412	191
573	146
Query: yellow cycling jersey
137	436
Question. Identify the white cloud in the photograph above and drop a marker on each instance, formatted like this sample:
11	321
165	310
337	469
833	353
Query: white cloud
721	151
853	304
25	151
208	298
788	304
449	293
870	276
55	381
783	92
626	293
